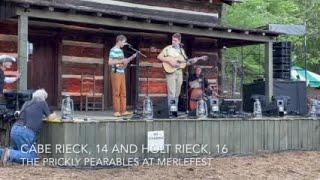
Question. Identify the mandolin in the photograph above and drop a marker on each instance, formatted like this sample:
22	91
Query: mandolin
123	66
182	63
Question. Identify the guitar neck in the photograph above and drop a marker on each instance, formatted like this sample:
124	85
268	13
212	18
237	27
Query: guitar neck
192	60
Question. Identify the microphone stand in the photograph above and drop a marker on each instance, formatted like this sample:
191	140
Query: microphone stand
138	66
202	85
187	78
136	50
187	89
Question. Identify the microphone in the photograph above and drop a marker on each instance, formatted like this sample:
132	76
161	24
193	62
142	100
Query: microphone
181	44
127	44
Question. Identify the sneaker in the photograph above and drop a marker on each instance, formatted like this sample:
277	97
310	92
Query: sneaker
116	114
126	113
5	157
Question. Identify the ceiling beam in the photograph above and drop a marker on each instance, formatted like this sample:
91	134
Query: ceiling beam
140	25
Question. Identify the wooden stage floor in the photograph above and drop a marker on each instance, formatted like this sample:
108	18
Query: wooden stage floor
81	116
107	116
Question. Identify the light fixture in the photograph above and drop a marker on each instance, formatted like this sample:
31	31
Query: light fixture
67	109
30	48
148	109
257	111
202	110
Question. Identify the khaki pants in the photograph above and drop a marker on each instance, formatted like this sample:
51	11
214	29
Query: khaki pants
118	82
174	82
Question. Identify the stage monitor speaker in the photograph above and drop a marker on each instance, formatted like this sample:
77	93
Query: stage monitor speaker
230	106
296	90
160	109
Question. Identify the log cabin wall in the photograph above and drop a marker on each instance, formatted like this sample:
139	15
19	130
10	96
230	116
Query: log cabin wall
151	46
42	62
84	53
82	57
9	46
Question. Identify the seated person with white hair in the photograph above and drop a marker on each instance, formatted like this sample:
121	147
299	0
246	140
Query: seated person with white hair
25	131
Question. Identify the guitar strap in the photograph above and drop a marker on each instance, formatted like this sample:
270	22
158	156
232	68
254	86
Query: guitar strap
182	52
115	69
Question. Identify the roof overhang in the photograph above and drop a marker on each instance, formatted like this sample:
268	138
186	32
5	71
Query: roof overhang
118	8
230	2
228	36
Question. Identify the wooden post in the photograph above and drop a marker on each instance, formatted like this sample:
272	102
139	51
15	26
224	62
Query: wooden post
23	51
59	38
269	70
107	74
222	78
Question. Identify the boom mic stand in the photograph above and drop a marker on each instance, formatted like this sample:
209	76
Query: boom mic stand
136	50
187	90
138	66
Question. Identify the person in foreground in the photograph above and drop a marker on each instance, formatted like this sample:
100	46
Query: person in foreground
24	132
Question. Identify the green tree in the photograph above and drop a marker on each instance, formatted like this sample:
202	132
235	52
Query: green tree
258	13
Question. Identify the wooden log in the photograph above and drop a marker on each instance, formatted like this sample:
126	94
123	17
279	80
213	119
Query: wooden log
8	87
34	13
152	95
201	6
80	51
8	37
74	85
11	73
72	76
76	96
8	46
82	69
8	28
82	60
82	44
153	79
154	87
153	73
151	59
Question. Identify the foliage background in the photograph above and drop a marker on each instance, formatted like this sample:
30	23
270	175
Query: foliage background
258	13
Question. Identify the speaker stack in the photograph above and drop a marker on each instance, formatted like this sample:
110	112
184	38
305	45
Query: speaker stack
282	60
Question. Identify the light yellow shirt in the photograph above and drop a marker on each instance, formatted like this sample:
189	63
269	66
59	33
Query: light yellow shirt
170	51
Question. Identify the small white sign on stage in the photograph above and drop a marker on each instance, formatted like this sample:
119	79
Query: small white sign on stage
155	141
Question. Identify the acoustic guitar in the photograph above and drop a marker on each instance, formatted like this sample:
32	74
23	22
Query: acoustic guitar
182	63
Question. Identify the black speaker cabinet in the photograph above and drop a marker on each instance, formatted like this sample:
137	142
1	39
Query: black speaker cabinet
296	90
160	109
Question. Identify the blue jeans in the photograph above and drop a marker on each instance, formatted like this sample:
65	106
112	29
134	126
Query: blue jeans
22	139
